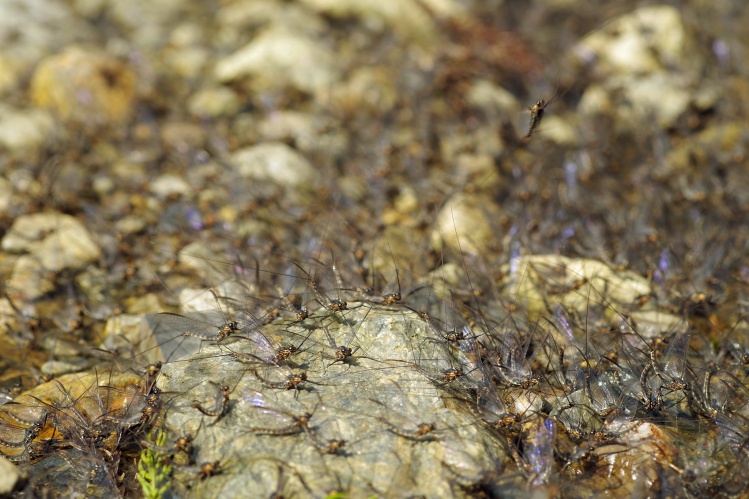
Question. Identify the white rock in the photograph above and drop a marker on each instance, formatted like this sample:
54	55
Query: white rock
276	58
10	475
213	102
275	162
24	131
130	331
408	18
168	184
56	241
487	96
646	40
28	281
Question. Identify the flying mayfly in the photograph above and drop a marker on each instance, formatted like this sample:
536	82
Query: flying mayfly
537	114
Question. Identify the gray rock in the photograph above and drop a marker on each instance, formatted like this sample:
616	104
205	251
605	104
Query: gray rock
375	401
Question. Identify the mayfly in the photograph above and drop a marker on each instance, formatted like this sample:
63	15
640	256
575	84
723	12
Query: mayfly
268	350
332	304
220	405
188	326
537	114
291	424
407	423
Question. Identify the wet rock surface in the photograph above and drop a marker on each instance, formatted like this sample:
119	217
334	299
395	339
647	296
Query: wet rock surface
383	418
549	197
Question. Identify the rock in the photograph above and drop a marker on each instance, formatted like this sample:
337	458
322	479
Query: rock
369	89
201	258
486	95
58	241
56	368
6	193
8	74
644	41
85	402
132	335
86	87
147	24
283	126
24	132
408	18
46	26
11	477
532	278
28	280
636	56
54	242
239	17
277	58
657	100
275	162
213	102
168	185
463	224
373	403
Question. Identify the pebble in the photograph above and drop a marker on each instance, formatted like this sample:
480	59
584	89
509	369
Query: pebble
6	191
24	132
213	102
408	18
168	185
8	74
277	58
10	477
31	29
87	87
54	242
463	224
130	333
275	162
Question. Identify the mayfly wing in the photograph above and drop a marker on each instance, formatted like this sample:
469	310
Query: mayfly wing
539	450
674	360
189	326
